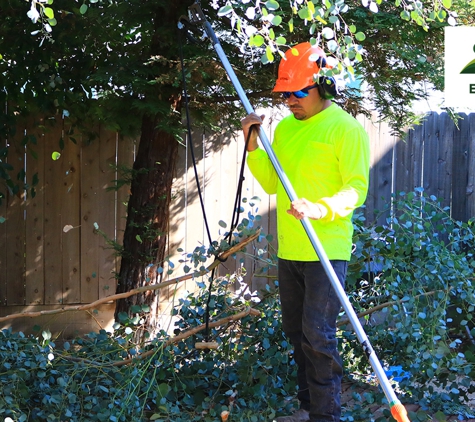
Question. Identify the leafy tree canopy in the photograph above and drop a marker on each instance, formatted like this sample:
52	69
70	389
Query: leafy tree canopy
113	63
393	48
101	49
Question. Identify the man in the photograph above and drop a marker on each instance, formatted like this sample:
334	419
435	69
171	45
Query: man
325	154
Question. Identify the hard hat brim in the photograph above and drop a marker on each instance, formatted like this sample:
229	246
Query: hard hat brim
291	86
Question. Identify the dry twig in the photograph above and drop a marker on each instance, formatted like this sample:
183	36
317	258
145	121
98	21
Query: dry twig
221	257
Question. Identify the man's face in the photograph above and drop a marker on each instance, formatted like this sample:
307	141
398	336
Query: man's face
304	108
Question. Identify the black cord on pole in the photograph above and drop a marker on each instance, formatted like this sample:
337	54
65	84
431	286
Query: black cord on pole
238	198
190	140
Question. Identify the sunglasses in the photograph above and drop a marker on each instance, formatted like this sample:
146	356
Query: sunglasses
298	94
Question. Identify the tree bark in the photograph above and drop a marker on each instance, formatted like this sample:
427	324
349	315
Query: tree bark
148	214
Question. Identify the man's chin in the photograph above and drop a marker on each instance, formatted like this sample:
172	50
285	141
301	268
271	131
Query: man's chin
299	115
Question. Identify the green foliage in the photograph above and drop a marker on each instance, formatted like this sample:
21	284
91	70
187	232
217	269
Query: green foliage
250	373
411	277
329	24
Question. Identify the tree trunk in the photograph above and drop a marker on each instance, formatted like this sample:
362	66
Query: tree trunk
145	236
148	214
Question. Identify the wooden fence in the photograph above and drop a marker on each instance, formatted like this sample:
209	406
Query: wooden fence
43	265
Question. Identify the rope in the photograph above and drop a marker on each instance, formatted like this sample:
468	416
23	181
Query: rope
190	140
238	198
234	223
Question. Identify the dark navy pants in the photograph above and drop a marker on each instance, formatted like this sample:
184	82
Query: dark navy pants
310	308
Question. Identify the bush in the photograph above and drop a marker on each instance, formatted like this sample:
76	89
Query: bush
413	277
411	280
249	373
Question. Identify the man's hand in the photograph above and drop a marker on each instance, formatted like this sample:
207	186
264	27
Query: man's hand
247	123
302	208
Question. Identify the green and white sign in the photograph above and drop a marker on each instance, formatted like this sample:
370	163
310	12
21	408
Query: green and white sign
459	86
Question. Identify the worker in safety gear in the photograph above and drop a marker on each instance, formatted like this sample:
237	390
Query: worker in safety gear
324	152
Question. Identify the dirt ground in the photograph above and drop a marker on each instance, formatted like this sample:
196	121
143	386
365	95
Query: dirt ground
350	388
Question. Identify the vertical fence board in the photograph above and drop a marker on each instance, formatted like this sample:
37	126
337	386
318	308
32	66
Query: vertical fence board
437	157
445	164
15	226
35	230
461	157
430	141
230	159
107	212
470	121
90	206
210	188
187	226
177	228
402	164
381	170
408	161
417	147
53	222
71	195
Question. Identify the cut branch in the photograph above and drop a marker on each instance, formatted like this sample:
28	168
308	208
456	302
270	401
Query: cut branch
377	308
221	257
173	340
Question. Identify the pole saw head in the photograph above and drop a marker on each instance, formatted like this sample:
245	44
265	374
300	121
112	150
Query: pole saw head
195	14
190	23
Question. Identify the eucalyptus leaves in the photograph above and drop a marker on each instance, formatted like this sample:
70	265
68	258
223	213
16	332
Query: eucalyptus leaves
269	25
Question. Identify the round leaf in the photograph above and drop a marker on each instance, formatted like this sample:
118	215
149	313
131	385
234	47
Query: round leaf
269	54
257	40
251	13
49	12
332	45
327	33
272	5
225	10
276	20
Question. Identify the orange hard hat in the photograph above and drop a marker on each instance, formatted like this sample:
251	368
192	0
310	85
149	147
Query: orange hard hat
300	67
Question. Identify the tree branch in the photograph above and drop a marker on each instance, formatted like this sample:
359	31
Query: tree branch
221	257
370	311
176	339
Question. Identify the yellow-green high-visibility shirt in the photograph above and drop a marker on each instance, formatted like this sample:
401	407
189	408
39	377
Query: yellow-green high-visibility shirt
326	159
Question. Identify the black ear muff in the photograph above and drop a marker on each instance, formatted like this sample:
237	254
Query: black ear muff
327	87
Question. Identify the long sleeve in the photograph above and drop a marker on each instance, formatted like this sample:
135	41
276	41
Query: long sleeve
262	169
353	156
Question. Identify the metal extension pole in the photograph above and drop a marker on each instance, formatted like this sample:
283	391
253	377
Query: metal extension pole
397	409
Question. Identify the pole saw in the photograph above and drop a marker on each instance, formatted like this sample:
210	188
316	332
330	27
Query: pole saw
398	411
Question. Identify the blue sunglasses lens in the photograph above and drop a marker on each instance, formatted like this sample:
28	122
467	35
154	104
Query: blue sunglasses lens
298	94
